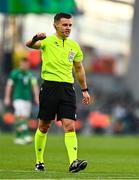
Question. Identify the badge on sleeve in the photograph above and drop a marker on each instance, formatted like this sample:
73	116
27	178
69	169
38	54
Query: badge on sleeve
71	55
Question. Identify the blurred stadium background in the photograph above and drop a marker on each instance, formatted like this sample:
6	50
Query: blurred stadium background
107	31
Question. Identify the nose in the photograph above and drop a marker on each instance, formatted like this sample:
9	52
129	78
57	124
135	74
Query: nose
68	27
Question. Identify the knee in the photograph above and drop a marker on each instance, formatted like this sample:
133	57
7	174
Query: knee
44	127
69	127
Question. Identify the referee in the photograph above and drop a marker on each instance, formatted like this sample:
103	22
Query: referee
57	96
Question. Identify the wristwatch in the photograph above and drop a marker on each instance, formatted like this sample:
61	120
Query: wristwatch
86	89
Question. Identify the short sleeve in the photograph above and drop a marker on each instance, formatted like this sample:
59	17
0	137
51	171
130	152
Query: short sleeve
79	55
33	78
43	44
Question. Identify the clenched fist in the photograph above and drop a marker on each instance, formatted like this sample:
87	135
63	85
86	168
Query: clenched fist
39	36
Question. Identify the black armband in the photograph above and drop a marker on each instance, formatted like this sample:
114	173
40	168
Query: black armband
35	38
83	90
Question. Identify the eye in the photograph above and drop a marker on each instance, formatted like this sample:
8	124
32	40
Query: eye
65	25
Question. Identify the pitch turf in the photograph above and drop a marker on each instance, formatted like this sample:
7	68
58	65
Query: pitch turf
109	157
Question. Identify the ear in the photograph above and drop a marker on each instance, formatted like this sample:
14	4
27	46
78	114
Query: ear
55	26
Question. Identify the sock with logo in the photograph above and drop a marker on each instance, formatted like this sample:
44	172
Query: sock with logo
40	142
71	145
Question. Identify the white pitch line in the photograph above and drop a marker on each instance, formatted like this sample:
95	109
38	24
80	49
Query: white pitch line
12	170
98	178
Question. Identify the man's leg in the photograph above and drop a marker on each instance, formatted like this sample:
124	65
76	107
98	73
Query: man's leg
70	139
22	112
71	145
18	131
40	142
26	112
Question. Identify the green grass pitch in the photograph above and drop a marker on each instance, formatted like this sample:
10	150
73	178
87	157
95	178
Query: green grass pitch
109	157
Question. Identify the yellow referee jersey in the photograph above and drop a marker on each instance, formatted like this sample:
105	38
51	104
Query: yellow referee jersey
58	56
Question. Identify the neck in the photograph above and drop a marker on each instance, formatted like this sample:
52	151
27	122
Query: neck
60	37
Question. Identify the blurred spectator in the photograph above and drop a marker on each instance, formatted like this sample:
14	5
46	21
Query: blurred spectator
119	113
99	121
136	116
103	64
19	92
34	58
82	115
18	53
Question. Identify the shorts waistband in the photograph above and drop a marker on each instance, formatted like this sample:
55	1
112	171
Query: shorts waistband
56	82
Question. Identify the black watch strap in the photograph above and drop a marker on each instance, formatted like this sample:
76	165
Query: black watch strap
86	89
35	38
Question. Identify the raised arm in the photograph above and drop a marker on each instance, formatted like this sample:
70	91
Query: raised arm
35	43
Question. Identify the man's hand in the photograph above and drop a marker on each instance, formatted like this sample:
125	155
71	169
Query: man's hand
86	98
34	42
39	36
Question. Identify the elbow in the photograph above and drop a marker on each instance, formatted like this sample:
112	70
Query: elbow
28	44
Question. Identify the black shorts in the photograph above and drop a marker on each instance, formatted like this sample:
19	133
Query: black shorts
57	100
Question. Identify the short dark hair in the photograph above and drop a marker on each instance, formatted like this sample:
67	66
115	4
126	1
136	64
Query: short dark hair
60	15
